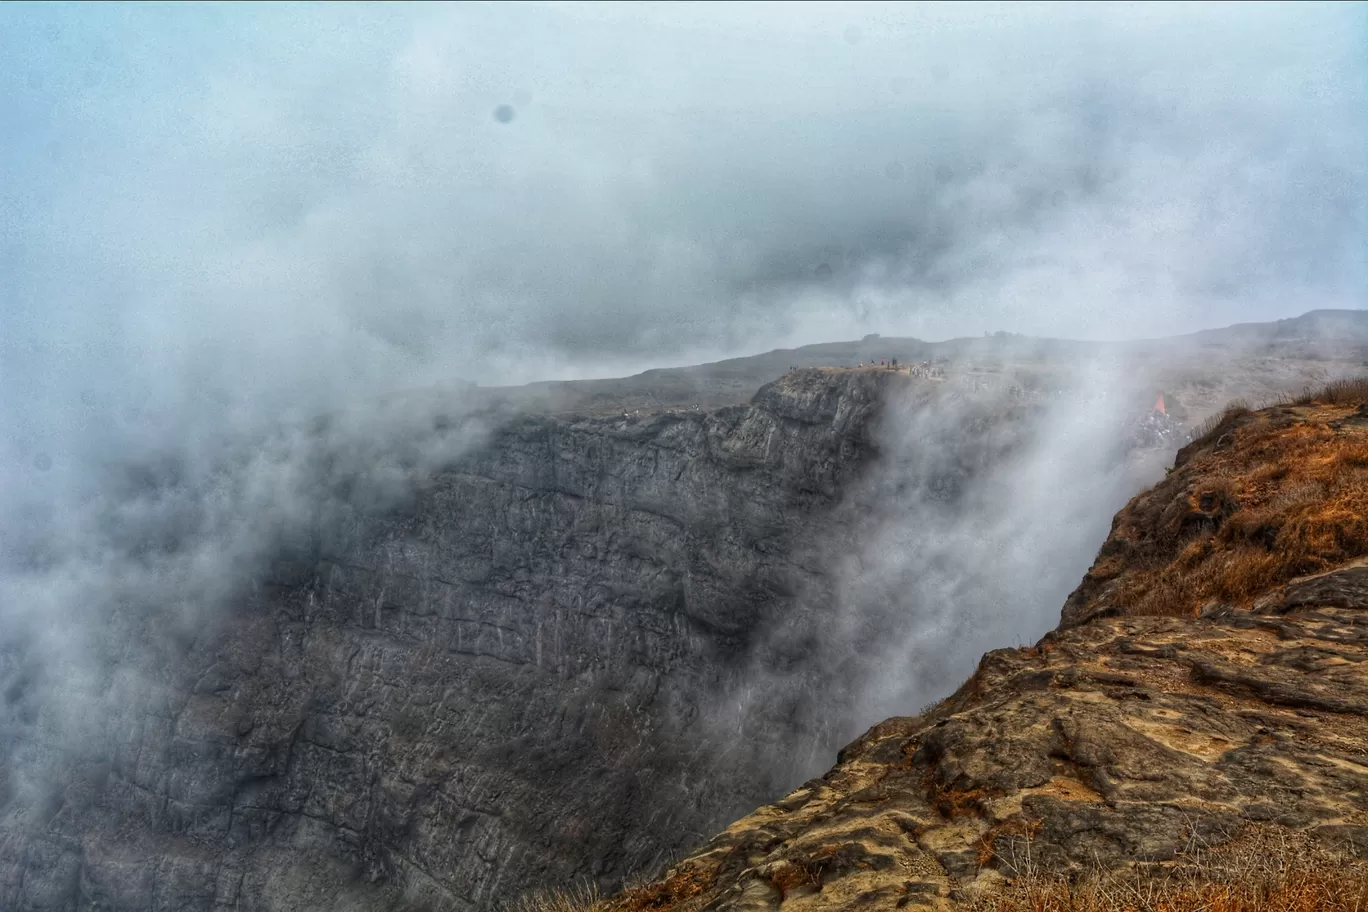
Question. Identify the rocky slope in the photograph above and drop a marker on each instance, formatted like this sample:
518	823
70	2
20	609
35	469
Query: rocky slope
1121	740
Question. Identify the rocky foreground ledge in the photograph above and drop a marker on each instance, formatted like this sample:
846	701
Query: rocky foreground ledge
1123	742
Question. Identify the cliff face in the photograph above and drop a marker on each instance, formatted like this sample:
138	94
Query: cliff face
496	687
572	652
1124	741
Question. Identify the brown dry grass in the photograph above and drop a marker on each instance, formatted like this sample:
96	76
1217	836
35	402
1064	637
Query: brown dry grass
1258	499
1210	429
1281	874
1341	392
581	898
952	803
1295	891
676	891
795	875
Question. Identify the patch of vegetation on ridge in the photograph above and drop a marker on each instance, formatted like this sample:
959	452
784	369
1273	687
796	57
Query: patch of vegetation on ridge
1258	499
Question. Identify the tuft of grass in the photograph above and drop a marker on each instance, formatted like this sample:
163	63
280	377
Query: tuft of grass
1352	391
795	875
953	803
578	898
677	890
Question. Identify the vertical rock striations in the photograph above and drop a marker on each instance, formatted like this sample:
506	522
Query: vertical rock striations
498	685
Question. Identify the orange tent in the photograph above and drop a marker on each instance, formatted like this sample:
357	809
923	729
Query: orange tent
1159	405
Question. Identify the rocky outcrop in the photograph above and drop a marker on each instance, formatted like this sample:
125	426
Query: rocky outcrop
1127	741
1120	741
495	686
1260	499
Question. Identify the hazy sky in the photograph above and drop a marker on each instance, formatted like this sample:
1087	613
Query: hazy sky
290	204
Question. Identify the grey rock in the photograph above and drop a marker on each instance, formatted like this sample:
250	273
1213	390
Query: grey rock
496	685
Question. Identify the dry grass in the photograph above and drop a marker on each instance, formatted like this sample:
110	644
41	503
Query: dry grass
1270	871
1286	875
1258	499
952	803
1213	427
1295	891
581	898
1340	392
676	891
796	875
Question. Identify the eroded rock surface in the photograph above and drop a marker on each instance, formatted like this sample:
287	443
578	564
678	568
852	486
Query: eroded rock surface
1124	741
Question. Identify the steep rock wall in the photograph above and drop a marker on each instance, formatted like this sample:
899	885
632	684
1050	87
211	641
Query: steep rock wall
497	686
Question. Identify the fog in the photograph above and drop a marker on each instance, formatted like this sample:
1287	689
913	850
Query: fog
299	204
219	223
944	576
980	512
